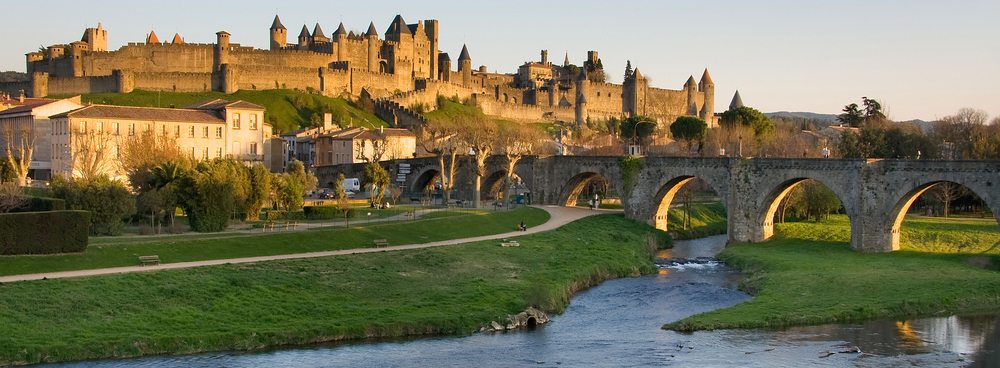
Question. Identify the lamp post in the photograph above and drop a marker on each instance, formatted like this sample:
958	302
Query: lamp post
739	148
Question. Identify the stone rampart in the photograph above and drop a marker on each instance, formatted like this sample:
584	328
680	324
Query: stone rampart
525	113
174	82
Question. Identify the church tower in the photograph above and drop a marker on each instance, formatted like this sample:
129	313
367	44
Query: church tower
279	35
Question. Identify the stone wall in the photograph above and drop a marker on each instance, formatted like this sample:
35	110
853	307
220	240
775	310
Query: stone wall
14	88
525	113
175	82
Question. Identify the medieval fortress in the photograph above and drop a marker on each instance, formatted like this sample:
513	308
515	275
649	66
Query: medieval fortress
402	70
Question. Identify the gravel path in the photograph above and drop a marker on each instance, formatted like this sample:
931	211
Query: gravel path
559	216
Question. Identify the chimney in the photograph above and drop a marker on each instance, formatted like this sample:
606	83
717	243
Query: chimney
21	97
380	130
327	121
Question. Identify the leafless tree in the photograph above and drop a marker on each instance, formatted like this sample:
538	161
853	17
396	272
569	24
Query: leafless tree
11	197
441	140
19	143
479	133
515	141
947	192
93	153
372	147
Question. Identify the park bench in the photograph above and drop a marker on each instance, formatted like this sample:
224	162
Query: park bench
512	243
143	260
380	243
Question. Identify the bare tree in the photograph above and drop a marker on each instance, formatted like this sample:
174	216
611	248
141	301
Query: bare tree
394	193
947	192
93	153
480	134
11	197
515	141
442	140
19	138
139	153
372	147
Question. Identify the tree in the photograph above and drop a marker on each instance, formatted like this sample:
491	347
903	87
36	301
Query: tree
442	140
19	143
873	110
306	179
637	128
11	196
478	133
109	201
749	117
515	141
689	129
372	148
337	187
394	193
852	116
260	187
213	193
946	192
628	70
376	179
93	153
141	152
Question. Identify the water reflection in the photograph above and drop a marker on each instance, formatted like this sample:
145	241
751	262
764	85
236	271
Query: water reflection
618	324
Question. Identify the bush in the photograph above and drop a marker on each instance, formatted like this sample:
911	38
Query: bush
109	201
40	204
275	215
321	212
44	232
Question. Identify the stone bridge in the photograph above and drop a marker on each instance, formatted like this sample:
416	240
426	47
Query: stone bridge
875	193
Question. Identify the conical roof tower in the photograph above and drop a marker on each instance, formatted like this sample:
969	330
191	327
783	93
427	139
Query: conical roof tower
737	101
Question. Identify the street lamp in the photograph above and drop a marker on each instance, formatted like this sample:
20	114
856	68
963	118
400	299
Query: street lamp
739	149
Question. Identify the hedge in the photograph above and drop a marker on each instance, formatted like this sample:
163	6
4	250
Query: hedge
41	204
44	232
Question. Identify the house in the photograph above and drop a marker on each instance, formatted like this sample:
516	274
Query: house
31	122
213	129
359	145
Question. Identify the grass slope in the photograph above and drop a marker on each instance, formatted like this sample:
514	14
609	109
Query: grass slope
810	275
452	289
290	110
706	219
222	246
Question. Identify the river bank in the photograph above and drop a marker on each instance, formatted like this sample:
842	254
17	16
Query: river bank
809	275
446	290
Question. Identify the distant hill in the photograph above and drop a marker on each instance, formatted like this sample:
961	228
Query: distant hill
10	76
287	110
803	115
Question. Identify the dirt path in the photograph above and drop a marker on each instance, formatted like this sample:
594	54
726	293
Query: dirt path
559	216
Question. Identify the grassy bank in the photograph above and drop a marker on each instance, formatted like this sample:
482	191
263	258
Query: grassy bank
707	219
186	248
810	275
287	109
451	289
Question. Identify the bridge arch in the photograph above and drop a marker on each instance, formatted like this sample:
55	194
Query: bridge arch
492	184
768	206
577	184
899	209
663	198
425	180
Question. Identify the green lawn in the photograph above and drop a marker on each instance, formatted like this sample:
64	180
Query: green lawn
450	289
200	247
290	109
810	275
706	219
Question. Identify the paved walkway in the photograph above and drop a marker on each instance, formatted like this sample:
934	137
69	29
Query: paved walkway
559	216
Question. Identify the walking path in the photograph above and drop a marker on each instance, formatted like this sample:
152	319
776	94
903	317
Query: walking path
559	216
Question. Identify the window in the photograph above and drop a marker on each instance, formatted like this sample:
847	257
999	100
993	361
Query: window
114	128
191	131
253	148
218	132
191	152
218	152
83	126
100	127
177	130
163	129
204	153
131	129
253	121
146	128
236	120
204	132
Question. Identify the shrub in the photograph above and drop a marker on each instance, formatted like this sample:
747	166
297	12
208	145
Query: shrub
320	212
39	204
109	201
44	232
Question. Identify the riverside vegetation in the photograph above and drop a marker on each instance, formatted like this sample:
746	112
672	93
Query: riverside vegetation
449	289
810	275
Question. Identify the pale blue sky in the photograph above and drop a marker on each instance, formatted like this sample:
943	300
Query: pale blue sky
922	59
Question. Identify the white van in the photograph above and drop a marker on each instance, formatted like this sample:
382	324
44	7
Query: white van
352	185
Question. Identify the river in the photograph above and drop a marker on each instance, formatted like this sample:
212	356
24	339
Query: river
617	324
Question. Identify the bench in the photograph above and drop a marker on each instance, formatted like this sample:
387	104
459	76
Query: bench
143	260
512	243
380	243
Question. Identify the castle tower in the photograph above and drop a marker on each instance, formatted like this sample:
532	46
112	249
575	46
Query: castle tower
304	38
340	38
692	102
592	57
431	28
31	58
76	53
401	62
96	38
707	87
444	67
221	50
318	36
582	90
151	38
553	92
545	57
373	58
465	67
279	34
737	101
177	39
634	94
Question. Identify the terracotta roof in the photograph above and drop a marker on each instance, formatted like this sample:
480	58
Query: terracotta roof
465	54
177	39
277	23
371	30
705	78
144	113
151	38
398	26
